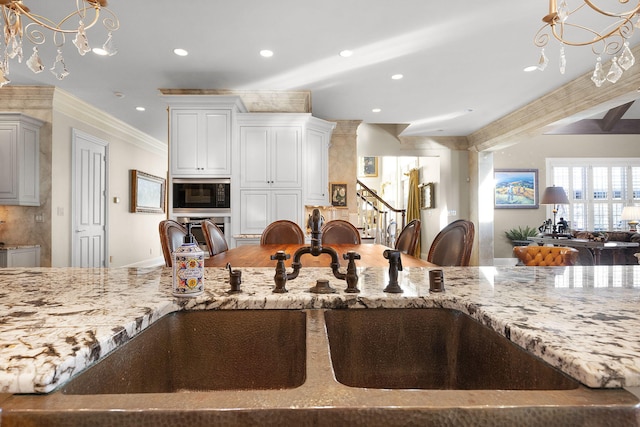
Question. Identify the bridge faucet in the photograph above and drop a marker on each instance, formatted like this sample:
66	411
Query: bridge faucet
316	249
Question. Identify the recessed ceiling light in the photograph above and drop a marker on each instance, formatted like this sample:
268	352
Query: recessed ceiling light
397	76
530	68
118	94
180	52
376	110
346	53
141	109
99	51
266	53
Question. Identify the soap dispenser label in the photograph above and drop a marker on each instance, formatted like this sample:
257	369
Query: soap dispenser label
188	277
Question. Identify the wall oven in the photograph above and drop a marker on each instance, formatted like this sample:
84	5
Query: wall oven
202	197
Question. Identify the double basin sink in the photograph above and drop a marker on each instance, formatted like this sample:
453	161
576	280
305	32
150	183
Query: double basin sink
323	367
266	349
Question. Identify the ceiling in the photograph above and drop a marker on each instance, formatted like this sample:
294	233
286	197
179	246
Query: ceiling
462	60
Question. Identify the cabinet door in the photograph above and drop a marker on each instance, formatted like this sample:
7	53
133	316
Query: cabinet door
200	143
255	156
286	157
23	257
255	212
316	168
286	204
216	137
8	163
184	143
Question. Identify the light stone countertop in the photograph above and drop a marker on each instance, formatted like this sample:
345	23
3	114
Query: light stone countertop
7	247
54	322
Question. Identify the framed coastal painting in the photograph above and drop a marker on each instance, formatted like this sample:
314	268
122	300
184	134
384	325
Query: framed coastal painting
147	192
338	194
516	188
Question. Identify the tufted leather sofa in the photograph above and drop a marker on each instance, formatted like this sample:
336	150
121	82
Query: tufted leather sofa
546	255
606	257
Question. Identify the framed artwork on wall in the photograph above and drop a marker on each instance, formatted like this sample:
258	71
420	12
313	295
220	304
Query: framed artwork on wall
369	167
147	192
516	188
338	194
427	197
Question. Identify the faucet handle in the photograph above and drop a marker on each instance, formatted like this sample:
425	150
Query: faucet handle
352	273
280	256
395	265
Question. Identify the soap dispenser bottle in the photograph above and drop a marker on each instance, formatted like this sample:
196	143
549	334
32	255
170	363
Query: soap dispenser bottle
188	268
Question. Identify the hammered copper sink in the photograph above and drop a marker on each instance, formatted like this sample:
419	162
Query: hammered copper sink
205	350
431	349
317	367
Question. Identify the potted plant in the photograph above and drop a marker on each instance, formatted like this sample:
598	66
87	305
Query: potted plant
518	236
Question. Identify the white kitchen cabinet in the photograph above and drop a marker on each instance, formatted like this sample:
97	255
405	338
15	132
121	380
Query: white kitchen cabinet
20	257
201	132
271	156
259	208
316	165
200	143
19	160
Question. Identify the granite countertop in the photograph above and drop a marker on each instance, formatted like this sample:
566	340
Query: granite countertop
6	247
54	322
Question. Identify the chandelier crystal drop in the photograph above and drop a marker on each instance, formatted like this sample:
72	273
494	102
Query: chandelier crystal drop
564	24
21	25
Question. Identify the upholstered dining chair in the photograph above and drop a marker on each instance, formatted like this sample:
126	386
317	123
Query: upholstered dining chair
171	237
282	231
408	238
534	255
214	237
452	245
340	231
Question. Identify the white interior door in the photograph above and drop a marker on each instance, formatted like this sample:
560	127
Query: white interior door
89	201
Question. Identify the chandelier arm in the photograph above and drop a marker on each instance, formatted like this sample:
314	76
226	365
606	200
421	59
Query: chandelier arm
598	37
627	15
52	26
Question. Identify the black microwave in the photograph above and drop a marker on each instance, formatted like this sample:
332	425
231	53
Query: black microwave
195	195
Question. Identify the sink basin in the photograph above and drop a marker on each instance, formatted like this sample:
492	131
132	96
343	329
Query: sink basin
204	350
431	349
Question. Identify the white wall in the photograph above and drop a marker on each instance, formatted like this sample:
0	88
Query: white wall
133	237
532	154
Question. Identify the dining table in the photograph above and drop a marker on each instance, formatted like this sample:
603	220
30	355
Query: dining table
371	255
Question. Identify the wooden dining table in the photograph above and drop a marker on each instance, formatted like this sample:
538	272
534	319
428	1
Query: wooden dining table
260	256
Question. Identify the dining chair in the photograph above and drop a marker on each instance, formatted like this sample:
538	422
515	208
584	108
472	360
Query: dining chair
171	237
408	238
546	255
282	231
452	245
214	237
340	231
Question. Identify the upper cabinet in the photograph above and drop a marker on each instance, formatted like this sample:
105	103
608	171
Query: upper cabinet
19	160
201	131
316	165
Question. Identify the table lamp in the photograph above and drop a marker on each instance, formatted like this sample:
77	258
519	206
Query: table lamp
631	214
554	196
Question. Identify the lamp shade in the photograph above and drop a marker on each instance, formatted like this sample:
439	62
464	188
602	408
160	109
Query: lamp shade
554	196
630	213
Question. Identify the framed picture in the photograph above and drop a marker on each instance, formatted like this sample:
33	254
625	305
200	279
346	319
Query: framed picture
427	200
369	166
338	194
516	188
147	192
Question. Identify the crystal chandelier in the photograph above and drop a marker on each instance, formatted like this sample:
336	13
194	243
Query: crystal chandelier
77	22
611	40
